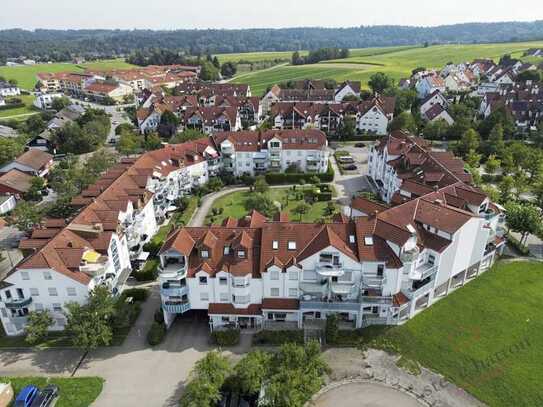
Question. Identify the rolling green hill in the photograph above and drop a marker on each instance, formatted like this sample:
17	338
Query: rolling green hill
395	61
26	75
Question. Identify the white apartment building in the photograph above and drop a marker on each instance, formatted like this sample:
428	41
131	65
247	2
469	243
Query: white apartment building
273	150
380	269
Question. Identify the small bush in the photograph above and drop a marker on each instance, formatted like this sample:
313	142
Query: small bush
149	272
227	337
156	334
159	316
331	329
279	337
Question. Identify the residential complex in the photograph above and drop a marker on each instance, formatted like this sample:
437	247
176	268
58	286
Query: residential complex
379	265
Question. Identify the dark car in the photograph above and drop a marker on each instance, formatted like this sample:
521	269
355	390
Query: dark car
351	167
360	145
26	396
46	396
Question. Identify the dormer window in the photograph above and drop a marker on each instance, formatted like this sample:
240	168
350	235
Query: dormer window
292	245
368	241
226	250
351	239
380	269
241	254
204	254
275	245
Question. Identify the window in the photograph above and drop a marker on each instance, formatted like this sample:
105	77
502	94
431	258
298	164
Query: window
223	280
34	292
225	319
57	307
274	275
241	254
223	297
275	245
293	275
38	306
292	245
226	250
368	241
52	291
25	275
203	280
71	291
204	296
380	269
8	294
293	292
274	292
351	239
431	259
47	275
204	254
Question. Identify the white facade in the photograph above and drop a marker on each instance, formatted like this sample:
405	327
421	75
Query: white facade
7	89
7	203
45	101
373	121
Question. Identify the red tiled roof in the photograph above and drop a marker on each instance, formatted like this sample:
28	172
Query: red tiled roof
229	309
280	303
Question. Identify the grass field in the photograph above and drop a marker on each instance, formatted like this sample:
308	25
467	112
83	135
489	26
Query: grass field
398	62
486	337
234	206
74	392
26	75
19	111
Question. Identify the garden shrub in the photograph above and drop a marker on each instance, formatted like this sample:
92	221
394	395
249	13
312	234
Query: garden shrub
331	329
138	294
279	337
156	334
226	337
159	316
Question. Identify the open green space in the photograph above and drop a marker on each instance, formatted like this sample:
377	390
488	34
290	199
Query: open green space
26	75
17	111
397	62
73	392
486	337
234	205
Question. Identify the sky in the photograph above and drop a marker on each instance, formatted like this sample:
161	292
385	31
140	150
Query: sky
182	14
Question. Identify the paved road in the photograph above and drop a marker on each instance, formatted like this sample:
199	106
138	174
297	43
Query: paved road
135	373
365	395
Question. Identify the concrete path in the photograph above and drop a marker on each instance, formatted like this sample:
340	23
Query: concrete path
134	373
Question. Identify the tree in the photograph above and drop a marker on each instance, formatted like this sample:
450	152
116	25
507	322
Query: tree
168	124
473	159
379	82
297	59
37	184
38	326
187	135
523	218
492	192
534	76
261	203
9	150
520	180
347	128
506	188
152	142
508	164
209	72
404	121
228	69
129	143
470	142
301	209
331	330
495	144
492	164
90	324
25	216
60	103
251	371
261	186
436	130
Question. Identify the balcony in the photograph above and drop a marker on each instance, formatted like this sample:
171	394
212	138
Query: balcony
173	290
176	307
369	320
373	281
18	303
173	268
423	271
420	287
314	305
376	299
329	269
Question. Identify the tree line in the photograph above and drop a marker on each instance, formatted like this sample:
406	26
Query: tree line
62	45
322	54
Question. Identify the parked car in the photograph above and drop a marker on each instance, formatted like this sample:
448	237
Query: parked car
350	167
346	159
46	396
360	145
26	396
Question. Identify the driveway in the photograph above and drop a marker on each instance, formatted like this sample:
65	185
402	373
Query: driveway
135	373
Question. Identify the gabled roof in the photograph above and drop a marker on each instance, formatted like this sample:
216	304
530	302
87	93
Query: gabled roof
326	238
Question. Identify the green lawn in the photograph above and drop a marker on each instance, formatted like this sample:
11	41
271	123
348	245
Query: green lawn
73	392
26	75
18	111
398	62
234	206
487	337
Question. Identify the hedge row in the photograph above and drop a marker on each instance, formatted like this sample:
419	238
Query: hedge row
295	178
156	333
277	338
12	106
138	294
227	337
514	243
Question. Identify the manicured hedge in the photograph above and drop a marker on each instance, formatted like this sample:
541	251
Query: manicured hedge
156	334
138	294
295	178
227	337
279	337
12	106
149	272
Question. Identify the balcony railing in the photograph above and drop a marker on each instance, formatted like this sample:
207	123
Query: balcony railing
18	303
412	293
370	299
370	320
329	306
423	271
176	307
174	290
173	270
373	280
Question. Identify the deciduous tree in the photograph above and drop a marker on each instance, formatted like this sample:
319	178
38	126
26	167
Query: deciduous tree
38	326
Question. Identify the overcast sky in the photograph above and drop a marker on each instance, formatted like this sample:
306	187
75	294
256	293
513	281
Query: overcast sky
172	14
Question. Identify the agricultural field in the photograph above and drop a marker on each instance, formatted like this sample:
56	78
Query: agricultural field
486	337
256	56
397	62
26	75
